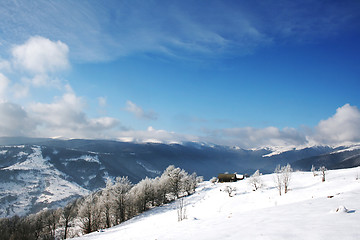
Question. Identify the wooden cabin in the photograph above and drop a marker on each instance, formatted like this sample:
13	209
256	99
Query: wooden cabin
230	177
227	177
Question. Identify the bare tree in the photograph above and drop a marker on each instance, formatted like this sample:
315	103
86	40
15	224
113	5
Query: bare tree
255	180
181	209
68	214
51	220
322	171
87	214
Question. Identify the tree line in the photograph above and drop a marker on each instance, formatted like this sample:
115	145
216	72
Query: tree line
119	201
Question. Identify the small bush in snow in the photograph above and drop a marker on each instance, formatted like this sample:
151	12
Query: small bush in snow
313	170
341	209
229	190
213	180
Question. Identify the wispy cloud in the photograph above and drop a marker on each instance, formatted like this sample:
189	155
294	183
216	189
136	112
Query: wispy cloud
113	29
249	137
139	112
155	135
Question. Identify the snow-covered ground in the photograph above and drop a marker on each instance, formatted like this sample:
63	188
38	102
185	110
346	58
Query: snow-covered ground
310	210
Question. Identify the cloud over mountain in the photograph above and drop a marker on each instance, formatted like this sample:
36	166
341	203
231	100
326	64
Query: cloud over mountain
343	126
35	64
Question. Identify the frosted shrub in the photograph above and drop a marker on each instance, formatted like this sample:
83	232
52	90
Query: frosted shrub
313	170
229	190
213	180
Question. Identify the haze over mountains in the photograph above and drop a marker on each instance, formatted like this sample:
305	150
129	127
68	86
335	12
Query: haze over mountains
40	173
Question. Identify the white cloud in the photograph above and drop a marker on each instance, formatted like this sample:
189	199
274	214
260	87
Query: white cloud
139	112
40	55
4	82
342	127
35	64
15	121
66	117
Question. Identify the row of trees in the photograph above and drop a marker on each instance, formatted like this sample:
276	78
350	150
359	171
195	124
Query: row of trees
119	201
282	178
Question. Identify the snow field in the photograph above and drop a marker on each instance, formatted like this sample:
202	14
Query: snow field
307	211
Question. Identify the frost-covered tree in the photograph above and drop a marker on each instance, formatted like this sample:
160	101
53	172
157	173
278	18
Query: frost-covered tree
322	171
105	205
255	180
162	189
286	172
189	183
120	191
175	176
282	178
143	194
277	179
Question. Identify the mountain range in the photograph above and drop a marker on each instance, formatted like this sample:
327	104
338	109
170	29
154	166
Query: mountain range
38	173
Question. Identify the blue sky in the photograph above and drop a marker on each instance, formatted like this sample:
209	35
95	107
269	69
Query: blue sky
246	73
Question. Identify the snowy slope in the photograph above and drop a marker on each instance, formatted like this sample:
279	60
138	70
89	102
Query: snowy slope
308	211
33	184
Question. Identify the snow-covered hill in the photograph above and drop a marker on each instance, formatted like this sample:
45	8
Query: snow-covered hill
310	210
32	183
45	173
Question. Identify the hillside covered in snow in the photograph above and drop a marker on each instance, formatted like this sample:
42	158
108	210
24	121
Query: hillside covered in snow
312	209
37	174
